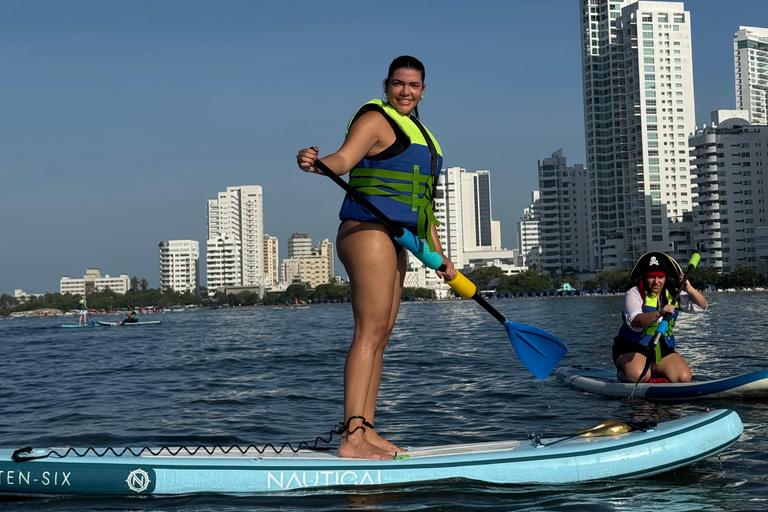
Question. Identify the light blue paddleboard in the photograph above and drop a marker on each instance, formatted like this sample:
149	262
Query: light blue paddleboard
558	460
753	385
72	326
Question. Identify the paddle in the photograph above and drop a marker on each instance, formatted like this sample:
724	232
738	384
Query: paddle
606	428
538	350
664	324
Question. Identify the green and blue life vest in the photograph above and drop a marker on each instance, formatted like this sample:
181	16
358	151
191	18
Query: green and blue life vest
402	186
82	304
644	337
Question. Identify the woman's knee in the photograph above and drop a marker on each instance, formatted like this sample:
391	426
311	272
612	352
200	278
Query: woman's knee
633	373
376	335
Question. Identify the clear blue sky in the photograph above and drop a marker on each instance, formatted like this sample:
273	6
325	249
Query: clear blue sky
119	119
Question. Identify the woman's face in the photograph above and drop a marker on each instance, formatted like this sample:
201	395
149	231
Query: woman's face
405	90
654	283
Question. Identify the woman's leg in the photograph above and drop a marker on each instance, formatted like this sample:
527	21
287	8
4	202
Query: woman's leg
373	391
368	255
673	368
630	366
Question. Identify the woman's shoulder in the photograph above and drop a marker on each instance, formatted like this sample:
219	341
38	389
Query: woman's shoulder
372	119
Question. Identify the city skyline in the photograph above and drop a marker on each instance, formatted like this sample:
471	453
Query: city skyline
126	115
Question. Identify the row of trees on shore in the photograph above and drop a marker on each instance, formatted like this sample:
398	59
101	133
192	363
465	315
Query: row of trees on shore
485	278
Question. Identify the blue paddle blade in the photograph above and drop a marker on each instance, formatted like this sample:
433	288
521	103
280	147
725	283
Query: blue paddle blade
538	350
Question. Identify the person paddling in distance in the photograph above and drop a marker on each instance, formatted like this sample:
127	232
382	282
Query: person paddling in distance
82	310
131	317
394	161
653	283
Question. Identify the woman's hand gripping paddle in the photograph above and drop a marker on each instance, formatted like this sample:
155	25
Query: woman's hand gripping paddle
537	349
664	324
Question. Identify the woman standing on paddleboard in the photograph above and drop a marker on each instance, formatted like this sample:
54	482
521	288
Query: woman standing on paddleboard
394	161
654	282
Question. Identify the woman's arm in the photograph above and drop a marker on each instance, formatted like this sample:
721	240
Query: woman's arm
450	271
369	135
633	311
695	296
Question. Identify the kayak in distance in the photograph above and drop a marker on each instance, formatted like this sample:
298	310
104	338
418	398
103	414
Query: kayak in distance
114	324
753	385
593	454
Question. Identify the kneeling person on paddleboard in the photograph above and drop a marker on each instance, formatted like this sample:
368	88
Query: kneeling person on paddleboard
653	284
132	317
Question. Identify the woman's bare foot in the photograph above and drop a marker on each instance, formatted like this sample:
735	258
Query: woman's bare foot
375	439
356	446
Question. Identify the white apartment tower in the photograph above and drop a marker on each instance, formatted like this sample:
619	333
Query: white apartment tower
750	58
639	111
180	265
463	208
562	214
235	246
271	260
730	160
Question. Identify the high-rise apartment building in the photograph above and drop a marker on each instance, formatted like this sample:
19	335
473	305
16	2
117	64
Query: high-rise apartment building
639	111
562	213
271	260
235	246
180	265
299	245
750	58
463	208
730	160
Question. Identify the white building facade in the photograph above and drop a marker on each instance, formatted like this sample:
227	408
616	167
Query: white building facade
528	230
730	160
750	58
299	245
271	260
235	245
464	209
639	111
94	281
180	266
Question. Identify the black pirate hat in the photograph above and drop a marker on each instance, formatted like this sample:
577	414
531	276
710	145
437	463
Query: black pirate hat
656	262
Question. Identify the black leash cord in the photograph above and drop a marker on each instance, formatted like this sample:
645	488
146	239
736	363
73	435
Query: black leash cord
25	454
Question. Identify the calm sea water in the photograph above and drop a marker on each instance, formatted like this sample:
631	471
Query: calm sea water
264	375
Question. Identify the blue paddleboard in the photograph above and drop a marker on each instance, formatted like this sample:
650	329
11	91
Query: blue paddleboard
557	460
604	382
